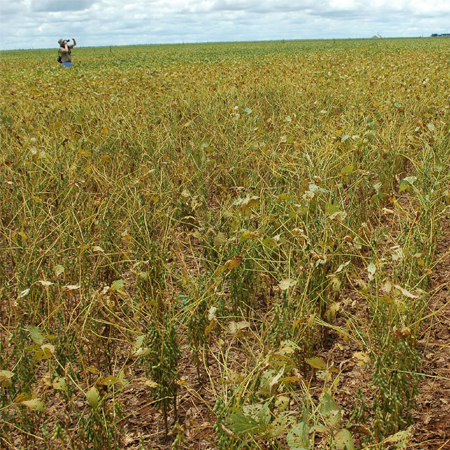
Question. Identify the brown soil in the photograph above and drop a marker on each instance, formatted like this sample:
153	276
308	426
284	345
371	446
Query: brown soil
432	415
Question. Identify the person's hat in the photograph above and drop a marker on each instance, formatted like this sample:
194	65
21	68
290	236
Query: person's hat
61	41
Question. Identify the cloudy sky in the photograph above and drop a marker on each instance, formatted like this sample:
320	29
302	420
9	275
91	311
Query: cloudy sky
40	23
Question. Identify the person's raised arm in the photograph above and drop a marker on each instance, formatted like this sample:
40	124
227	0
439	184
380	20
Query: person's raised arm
74	42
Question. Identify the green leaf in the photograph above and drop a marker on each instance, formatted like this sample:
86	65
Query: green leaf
406	182
42	353
347	170
344	440
117	285
330	208
331	411
34	404
282	402
241	424
139	341
317	189
269	242
92	396
371	268
282	423
59	269
36	334
59	384
264	415
298	437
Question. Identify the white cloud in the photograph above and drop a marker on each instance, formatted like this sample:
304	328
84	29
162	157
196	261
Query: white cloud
40	23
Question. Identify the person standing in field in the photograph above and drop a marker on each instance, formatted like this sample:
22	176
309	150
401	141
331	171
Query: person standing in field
65	52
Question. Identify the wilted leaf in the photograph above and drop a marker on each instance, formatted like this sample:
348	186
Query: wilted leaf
405	292
45	283
212	313
342	266
96	248
141	351
23	396
24	293
236	327
276	379
71	287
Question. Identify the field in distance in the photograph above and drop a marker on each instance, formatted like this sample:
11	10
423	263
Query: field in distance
231	246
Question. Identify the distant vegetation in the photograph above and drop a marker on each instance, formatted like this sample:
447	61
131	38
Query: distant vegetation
222	245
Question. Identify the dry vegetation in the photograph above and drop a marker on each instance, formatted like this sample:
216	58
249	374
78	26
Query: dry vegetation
223	246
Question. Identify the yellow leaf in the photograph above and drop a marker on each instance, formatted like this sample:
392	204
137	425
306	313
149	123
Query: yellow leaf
92	396
317	363
286	284
233	263
151	384
362	358
5	378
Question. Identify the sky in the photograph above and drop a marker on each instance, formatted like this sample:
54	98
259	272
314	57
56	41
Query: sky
28	24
